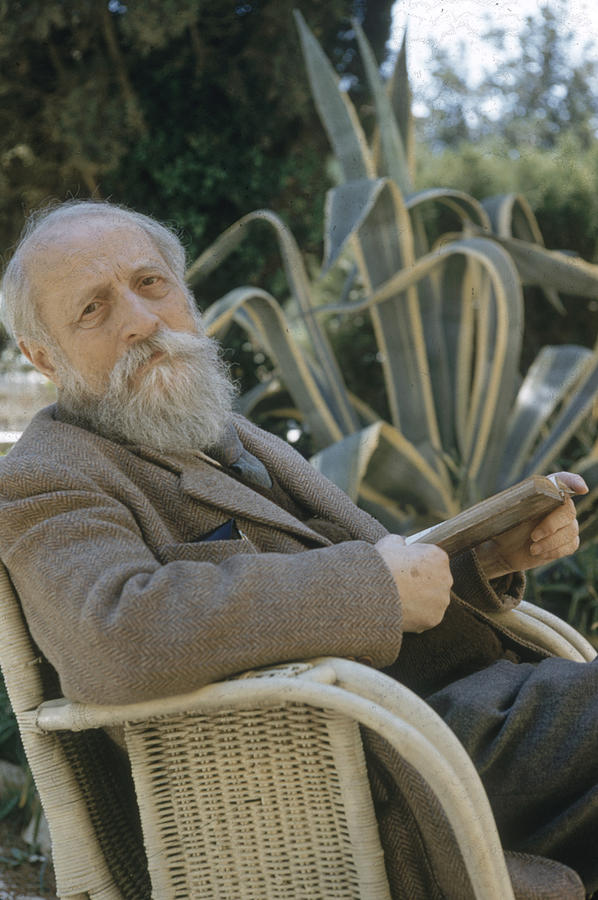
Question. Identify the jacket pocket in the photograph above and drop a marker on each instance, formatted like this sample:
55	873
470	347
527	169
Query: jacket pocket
210	549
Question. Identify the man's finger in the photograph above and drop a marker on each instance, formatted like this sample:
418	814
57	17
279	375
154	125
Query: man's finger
557	519
557	541
550	555
573	481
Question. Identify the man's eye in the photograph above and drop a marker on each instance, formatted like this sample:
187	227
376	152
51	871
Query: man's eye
150	280
90	309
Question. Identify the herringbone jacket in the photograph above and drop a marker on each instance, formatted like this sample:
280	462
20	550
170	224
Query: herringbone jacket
125	594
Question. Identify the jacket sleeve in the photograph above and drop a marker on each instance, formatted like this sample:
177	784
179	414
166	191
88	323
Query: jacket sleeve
120	626
472	585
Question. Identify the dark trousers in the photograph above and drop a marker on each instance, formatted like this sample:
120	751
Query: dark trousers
531	730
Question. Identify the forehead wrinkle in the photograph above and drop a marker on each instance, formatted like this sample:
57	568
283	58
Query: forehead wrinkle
65	262
78	239
63	250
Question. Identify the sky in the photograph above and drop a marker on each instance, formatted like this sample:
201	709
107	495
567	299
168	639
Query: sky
446	23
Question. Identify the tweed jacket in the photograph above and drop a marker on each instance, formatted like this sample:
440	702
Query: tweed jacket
109	547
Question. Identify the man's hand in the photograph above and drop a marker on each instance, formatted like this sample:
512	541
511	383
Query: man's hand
423	578
555	536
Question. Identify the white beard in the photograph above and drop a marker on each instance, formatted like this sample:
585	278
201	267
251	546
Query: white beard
181	402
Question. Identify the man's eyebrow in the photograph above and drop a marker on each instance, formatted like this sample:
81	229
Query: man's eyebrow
100	286
150	264
85	296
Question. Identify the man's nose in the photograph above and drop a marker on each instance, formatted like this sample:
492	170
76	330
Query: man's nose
140	320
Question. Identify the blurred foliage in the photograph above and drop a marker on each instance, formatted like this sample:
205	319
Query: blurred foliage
541	85
568	588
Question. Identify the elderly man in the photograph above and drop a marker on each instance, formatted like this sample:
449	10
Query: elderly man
158	541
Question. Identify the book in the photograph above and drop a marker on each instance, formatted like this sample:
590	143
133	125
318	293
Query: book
519	507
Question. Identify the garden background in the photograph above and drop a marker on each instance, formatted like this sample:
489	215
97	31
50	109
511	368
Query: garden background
201	114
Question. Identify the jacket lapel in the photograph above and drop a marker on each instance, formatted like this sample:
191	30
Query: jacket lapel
299	478
204	480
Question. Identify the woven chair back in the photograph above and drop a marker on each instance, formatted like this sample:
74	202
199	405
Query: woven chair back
256	804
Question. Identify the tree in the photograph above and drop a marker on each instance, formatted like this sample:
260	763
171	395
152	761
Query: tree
534	94
192	112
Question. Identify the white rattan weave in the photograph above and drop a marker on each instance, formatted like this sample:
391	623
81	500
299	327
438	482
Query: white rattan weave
265	803
81	870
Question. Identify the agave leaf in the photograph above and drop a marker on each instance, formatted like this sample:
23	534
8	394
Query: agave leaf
462	288
346	461
216	253
395	138
464	205
260	312
263	396
578	406
323	82
552	268
336	111
431	302
383	246
433	299
301	291
379	467
548	381
435	304
498	345
399	91
499	329
512	217
347	207
413	351
393	150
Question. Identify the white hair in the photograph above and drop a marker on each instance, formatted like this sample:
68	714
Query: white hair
19	307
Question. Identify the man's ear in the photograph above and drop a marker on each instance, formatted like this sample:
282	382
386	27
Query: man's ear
39	356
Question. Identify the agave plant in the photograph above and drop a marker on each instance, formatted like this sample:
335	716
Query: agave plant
448	320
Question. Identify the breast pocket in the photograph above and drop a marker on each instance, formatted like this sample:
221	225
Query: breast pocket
217	545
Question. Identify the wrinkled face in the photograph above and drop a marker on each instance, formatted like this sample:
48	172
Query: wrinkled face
126	348
102	287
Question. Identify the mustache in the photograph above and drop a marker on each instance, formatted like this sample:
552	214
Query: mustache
173	344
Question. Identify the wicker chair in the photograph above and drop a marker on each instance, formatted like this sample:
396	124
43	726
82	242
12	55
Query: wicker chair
255	787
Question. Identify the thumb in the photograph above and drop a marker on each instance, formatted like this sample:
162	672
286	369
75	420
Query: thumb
573	481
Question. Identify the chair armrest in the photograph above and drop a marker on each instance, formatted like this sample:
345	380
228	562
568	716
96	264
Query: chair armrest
563	628
529	622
